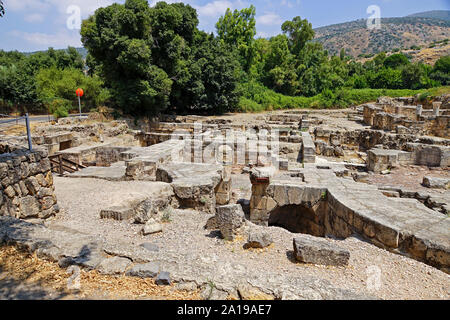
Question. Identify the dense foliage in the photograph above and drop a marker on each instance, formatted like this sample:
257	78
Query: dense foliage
46	81
148	60
155	59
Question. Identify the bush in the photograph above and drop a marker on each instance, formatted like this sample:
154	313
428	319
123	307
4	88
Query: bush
59	108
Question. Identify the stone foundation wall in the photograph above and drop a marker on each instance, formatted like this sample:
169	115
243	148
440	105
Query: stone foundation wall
26	189
321	212
105	156
391	115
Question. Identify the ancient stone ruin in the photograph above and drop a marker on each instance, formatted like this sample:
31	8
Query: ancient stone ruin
258	204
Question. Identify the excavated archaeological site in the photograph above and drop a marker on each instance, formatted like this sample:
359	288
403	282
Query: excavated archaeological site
297	204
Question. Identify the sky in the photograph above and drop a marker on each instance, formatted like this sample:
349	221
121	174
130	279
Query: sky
31	25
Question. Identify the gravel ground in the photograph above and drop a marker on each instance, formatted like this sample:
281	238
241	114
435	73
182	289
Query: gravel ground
410	177
399	277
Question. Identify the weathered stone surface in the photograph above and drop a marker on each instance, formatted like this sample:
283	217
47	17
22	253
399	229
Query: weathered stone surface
117	213
230	219
29	207
212	224
26	193
163	279
212	293
319	251
114	265
248	292
145	270
186	286
150	246
436	183
258	239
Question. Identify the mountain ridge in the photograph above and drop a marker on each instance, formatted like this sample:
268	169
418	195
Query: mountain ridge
417	30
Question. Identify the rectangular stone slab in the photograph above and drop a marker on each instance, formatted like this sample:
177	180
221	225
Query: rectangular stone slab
319	251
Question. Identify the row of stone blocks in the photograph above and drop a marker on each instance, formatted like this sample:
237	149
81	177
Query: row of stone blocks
379	160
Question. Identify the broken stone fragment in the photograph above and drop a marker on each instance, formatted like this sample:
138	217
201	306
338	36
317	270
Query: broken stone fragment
211	224
230	219
145	270
151	227
258	240
319	251
248	292
261	175
163	279
114	265
436	183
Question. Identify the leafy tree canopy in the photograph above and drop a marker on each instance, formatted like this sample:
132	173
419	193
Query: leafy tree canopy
238	29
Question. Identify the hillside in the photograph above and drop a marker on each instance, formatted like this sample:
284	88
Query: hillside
395	33
435	14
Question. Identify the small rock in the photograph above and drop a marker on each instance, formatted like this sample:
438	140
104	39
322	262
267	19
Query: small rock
65	262
150	246
384	172
163	278
211	224
258	240
437	183
145	270
114	265
338	152
360	176
230	219
151	227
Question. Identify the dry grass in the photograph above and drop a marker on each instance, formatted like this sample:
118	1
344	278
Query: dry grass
29	269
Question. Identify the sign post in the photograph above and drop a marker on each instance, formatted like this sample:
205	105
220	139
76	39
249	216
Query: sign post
79	94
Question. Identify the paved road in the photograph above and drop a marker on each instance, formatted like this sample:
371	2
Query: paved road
36	119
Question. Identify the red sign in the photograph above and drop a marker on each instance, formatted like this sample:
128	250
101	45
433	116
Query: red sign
79	92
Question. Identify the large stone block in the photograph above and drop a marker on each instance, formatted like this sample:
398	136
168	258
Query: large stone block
319	251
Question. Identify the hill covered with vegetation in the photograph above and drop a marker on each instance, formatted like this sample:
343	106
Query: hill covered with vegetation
395	33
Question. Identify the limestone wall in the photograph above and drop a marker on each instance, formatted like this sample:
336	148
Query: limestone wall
26	189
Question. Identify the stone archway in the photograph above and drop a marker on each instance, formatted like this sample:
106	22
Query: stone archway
299	218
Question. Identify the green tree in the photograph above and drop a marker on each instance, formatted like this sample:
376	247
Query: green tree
155	59
412	76
54	83
299	33
119	38
441	71
238	29
213	85
395	61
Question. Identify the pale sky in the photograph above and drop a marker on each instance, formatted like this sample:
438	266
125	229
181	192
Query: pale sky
31	25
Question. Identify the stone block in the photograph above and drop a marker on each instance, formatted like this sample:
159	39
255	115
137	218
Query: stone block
230	219
319	251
